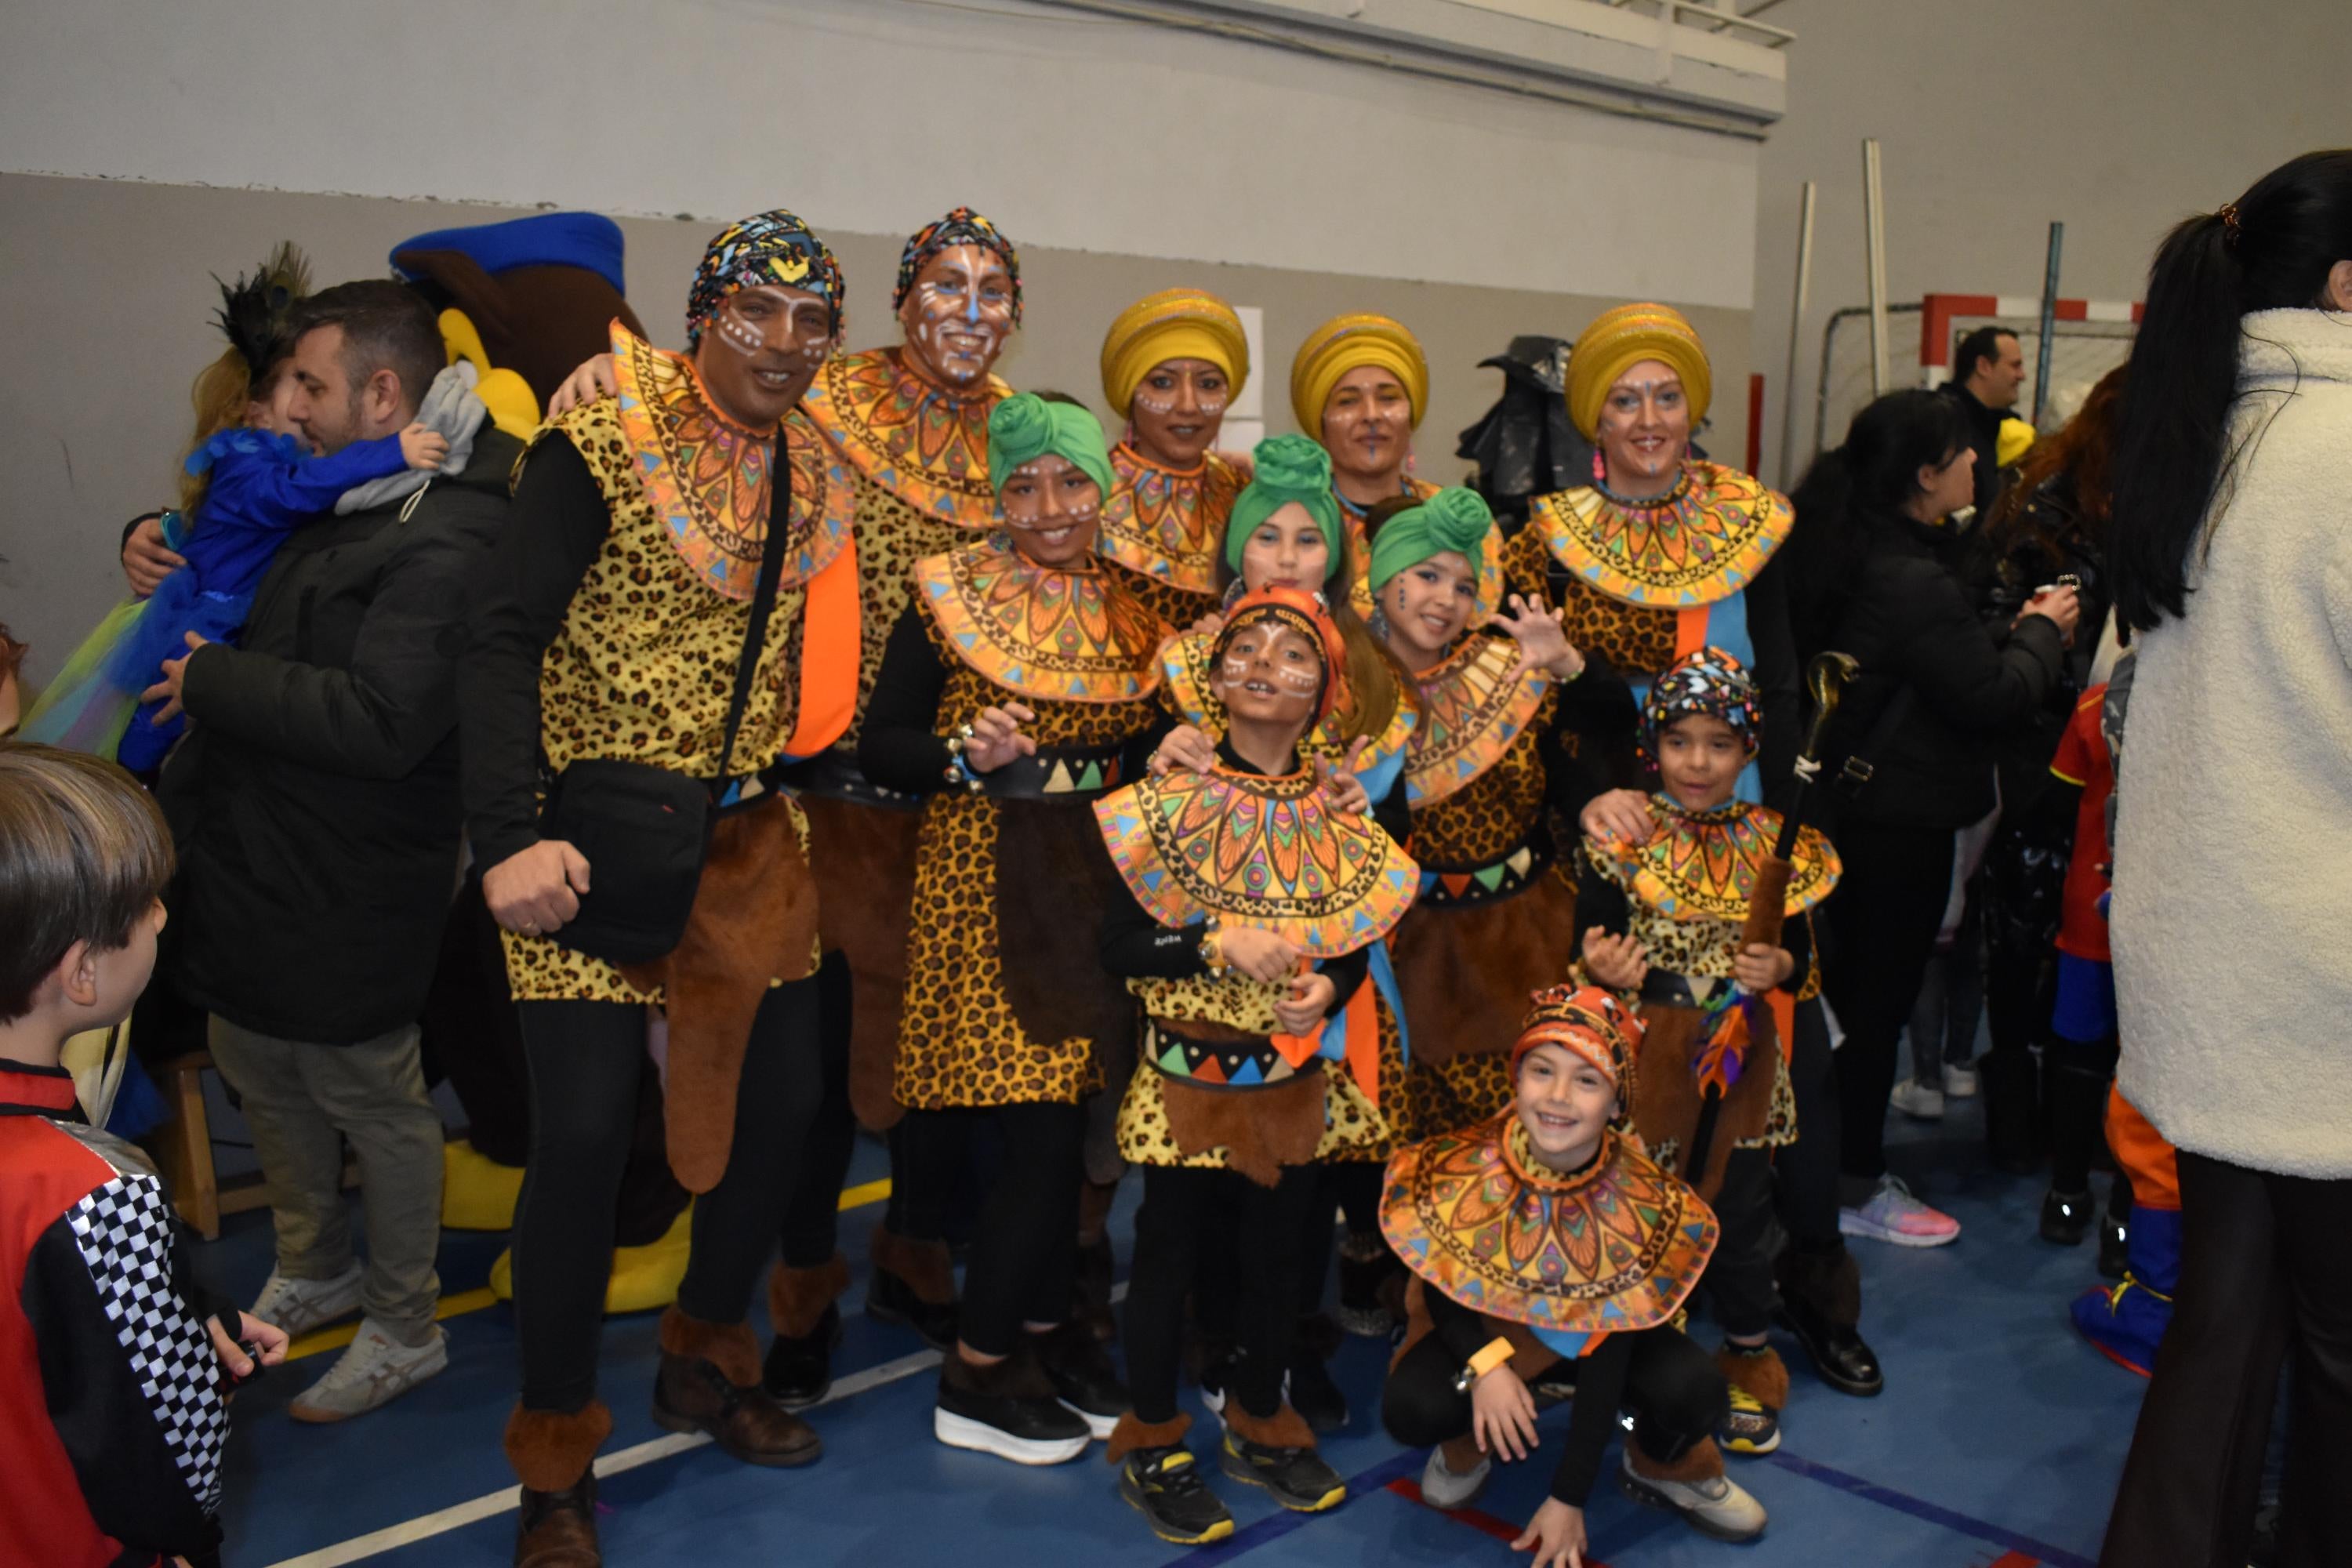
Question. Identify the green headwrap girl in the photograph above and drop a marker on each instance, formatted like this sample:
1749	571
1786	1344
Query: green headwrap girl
1456	518
1024	427
1288	469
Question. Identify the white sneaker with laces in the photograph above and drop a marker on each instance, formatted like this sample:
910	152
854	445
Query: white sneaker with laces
1959	1080
1893	1214
373	1371
1442	1490
1920	1101
299	1306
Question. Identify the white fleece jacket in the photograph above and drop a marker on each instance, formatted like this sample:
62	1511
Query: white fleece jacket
2232	909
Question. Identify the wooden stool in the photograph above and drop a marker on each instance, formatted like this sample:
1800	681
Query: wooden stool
183	1150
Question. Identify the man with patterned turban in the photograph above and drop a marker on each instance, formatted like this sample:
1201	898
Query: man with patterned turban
698	495
1172	364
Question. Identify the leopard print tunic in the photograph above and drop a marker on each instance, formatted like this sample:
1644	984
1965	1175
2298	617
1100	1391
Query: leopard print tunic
1637	640
642	669
958	1042
891	537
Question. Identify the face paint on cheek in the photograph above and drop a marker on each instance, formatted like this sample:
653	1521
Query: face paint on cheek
1237	669
1154	405
1211	407
738	334
1302	680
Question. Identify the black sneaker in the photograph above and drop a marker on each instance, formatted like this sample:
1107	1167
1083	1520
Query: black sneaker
799	1371
1009	1410
1083	1379
890	1299
1164	1486
1366	1287
2065	1217
1298	1478
1312	1393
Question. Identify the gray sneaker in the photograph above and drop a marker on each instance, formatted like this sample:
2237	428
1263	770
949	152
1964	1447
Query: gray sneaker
1442	1488
299	1306
375	1370
1716	1506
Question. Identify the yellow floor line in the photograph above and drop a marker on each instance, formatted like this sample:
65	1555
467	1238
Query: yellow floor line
342	1334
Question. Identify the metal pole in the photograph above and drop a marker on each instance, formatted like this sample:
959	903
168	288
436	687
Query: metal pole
1796	326
1873	218
2049	322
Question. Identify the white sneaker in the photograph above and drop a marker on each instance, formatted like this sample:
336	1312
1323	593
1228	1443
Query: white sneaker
1961	1080
1920	1101
1717	1506
375	1370
1442	1490
299	1306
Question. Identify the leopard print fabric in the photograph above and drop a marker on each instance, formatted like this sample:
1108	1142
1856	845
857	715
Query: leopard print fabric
1635	639
1180	607
891	537
1461	1093
958	1042
642	669
1492	815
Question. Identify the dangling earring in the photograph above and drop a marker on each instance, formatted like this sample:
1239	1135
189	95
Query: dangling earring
1234	591
1600	470
1377	623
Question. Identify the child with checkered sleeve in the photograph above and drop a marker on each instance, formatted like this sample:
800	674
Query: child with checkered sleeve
114	1373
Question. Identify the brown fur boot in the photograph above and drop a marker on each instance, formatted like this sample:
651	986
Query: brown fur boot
1761	1372
710	1381
1701	1462
1130	1434
553	1454
801	1303
798	1297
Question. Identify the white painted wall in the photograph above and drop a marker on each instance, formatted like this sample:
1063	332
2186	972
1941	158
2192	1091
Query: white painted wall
1995	117
874	115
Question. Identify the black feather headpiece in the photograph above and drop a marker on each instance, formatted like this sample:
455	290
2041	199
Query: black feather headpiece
253	309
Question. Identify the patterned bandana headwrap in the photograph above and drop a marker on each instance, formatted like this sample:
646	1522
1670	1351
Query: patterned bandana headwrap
962	226
774	248
1303	613
1709	682
1591	1025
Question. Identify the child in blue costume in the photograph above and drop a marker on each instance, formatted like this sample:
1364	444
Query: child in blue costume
259	483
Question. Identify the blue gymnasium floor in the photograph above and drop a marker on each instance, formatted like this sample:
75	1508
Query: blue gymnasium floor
1997	1444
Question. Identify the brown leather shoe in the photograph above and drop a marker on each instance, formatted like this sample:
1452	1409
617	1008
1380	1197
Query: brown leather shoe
559	1529
692	1394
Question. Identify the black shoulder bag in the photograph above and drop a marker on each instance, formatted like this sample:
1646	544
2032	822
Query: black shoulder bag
646	830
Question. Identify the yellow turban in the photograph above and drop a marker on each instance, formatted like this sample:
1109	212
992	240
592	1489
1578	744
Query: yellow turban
1623	337
1175	323
1347	343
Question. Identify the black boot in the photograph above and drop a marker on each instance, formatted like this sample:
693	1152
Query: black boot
2006	1079
2065	1217
2115	1230
1820	1303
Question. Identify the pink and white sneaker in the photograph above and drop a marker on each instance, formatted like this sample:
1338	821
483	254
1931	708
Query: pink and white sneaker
1893	1214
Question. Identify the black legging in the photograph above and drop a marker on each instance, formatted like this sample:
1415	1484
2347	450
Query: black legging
1885	915
1738	1277
1806	1191
2263	1273
1024	1250
1352	1189
813	1211
585	1058
1671	1385
1181	1208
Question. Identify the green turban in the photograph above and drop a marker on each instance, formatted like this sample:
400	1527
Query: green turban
1456	518
1024	427
1288	469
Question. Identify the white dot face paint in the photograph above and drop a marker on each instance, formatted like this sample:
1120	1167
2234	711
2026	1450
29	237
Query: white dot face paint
798	331
1176	411
1306	680
960	313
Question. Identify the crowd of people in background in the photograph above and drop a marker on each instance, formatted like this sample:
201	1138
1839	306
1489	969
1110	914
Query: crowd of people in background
1514	895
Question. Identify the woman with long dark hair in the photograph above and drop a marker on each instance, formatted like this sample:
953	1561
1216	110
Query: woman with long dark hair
2233	872
1937	689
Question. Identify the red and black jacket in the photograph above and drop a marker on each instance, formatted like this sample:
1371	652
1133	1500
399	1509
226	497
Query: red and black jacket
114	1412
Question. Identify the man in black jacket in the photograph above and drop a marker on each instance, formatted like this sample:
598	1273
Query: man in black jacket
1987	369
317	805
